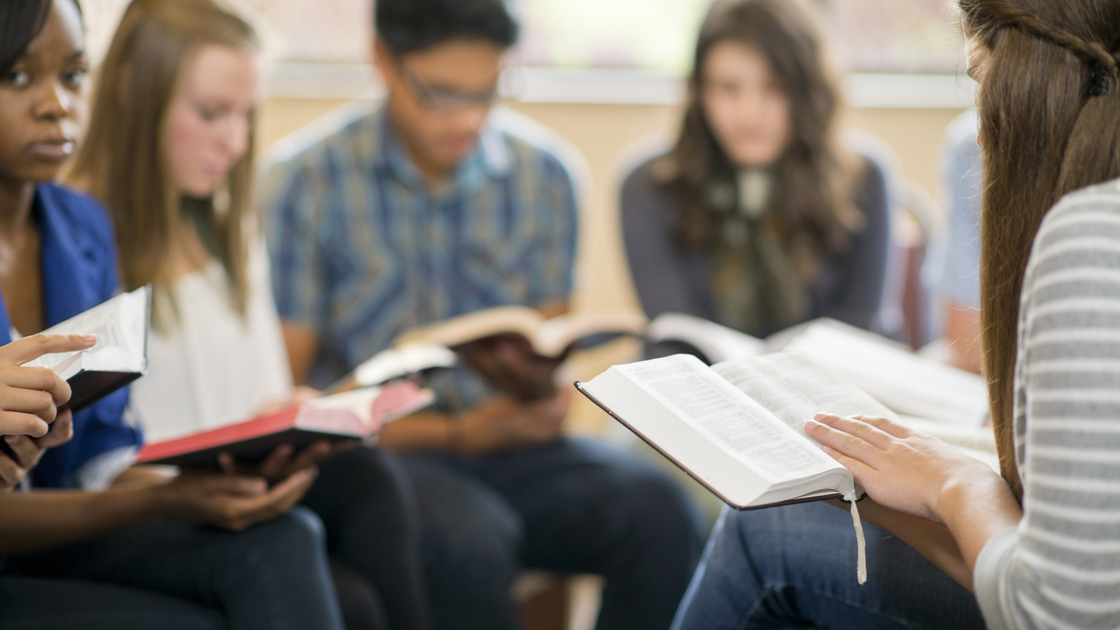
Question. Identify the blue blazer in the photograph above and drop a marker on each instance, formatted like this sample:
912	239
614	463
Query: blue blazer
79	270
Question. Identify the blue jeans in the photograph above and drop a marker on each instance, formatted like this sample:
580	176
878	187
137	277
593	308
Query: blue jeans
568	507
795	567
272	576
38	603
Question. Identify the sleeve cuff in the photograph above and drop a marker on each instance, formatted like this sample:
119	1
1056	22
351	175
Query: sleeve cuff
99	473
989	578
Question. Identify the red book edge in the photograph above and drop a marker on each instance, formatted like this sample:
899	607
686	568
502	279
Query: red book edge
393	401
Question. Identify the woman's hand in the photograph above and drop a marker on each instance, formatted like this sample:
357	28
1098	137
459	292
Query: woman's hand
23	452
284	461
234	502
30	396
899	468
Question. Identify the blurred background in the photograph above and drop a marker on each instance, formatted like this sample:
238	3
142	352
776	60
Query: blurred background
608	75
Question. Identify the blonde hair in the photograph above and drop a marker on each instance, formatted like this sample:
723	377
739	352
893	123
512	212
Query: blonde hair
123	161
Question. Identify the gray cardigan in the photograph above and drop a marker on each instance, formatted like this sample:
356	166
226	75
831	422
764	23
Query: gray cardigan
849	287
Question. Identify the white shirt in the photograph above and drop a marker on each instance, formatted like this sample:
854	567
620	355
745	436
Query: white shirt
211	366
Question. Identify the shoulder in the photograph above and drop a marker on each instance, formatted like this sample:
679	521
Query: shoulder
530	146
1088	213
348	136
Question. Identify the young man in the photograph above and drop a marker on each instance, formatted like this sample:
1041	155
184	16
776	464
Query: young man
428	207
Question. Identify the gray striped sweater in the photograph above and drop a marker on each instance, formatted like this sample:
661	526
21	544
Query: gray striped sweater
1060	568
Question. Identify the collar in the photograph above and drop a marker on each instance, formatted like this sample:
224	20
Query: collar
66	251
490	159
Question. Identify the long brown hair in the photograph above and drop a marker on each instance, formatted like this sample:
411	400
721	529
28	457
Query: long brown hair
123	160
814	176
1049	124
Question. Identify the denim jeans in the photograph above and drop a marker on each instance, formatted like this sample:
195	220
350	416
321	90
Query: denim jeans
373	539
40	603
272	576
795	567
568	507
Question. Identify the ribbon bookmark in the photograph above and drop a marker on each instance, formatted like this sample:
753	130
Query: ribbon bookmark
861	542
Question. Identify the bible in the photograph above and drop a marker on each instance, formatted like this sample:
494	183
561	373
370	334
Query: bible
354	415
119	356
548	337
737	427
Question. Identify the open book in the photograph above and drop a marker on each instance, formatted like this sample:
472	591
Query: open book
903	381
354	415
396	363
737	427
119	356
548	337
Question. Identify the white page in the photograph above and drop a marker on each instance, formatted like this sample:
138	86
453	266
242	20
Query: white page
727	417
121	328
901	380
794	388
717	343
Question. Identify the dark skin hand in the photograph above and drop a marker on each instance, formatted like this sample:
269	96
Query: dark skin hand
509	363
20	453
284	461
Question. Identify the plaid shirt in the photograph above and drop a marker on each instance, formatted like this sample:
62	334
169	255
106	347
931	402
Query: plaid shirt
362	250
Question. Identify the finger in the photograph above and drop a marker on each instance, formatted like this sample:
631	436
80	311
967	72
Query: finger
10	473
888	426
227	464
61	431
33	401
24	450
280	498
845	443
852	426
31	348
237	485
311	455
860	470
15	423
40	379
276	463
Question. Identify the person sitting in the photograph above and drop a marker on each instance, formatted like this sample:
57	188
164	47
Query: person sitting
758	217
88	530
170	154
429	206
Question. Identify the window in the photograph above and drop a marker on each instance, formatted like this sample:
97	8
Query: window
908	36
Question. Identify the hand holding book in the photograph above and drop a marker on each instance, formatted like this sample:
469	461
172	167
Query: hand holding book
230	501
509	363
902	469
30	396
285	460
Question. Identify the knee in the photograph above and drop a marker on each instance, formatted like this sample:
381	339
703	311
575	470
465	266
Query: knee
655	504
299	535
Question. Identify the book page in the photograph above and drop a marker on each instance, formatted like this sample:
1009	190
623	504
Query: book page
121	325
717	343
395	363
559	333
794	388
727	417
901	380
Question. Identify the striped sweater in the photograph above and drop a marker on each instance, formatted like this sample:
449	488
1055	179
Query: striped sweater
1060	568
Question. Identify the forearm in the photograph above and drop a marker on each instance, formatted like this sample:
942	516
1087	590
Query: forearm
934	542
975	511
423	431
41	519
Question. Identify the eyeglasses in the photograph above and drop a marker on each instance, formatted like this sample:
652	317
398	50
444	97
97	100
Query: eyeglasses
446	99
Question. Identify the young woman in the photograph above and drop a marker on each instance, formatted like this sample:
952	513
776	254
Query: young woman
143	545
170	154
1040	546
758	218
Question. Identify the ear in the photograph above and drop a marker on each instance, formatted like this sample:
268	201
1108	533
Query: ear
383	59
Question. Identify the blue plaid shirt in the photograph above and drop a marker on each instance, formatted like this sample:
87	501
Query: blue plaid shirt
362	250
